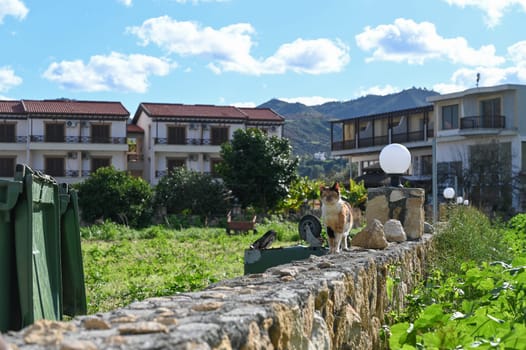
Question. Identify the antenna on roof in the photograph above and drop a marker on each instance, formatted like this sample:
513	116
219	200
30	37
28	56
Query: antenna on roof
478	79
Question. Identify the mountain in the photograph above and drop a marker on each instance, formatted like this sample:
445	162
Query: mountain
308	127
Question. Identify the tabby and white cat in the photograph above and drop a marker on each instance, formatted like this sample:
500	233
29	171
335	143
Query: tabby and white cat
336	214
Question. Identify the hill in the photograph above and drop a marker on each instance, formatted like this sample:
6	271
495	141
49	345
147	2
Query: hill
308	127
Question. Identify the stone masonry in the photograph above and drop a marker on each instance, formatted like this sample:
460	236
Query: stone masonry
328	302
403	204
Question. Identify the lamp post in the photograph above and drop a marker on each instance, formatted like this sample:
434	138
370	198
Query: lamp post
395	159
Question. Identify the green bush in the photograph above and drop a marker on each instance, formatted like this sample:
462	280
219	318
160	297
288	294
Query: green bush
188	192
467	236
110	194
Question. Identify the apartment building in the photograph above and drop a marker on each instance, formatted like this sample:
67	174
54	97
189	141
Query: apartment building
480	140
190	136
66	139
481	144
362	138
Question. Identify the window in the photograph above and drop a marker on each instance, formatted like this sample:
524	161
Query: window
450	117
426	165
7	166
100	133
54	166
99	162
219	135
7	132
172	163
54	132
177	135
490	107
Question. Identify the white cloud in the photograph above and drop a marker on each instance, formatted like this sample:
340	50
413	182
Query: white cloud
494	9
126	3
198	1
308	100
414	43
115	72
8	79
244	104
15	8
378	90
229	48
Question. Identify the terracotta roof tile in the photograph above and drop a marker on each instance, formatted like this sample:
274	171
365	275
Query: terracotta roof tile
195	111
262	114
73	107
134	128
11	107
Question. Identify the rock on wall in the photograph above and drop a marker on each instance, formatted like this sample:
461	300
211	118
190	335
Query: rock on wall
328	302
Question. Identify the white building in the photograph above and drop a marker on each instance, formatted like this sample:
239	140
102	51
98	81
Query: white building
190	136
66	139
481	144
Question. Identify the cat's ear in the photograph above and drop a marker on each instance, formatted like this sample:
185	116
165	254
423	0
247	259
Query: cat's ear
336	186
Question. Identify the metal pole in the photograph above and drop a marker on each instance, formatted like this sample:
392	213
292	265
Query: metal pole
434	180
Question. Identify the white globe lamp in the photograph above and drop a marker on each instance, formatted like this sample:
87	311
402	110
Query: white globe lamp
395	159
449	193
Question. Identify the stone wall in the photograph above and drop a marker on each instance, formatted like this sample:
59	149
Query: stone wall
328	302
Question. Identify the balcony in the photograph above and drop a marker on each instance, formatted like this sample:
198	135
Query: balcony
364	142
483	122
80	139
13	139
189	141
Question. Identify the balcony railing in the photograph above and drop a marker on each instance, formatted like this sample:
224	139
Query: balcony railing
189	141
364	142
80	139
483	122
17	139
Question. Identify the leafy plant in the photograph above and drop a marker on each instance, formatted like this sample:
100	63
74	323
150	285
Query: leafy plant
257	168
111	194
188	192
478	304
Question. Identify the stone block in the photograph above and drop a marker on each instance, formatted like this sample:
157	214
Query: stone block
403	204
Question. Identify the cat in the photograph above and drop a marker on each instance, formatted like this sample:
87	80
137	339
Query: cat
336	214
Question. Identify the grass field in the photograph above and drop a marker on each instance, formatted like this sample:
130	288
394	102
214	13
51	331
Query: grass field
122	265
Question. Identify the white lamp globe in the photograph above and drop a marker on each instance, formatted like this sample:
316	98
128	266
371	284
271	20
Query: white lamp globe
395	159
449	193
460	200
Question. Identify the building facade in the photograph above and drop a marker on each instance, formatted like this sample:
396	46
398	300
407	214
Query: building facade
190	136
362	138
481	145
479	137
66	139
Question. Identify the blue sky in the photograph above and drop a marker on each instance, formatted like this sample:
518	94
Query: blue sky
245	52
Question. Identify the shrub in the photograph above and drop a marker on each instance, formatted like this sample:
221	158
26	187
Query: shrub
467	236
188	192
115	195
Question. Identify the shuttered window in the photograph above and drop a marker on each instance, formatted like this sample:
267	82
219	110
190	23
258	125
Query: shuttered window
101	162
55	166
100	133
7	132
219	135
172	163
7	167
177	135
54	132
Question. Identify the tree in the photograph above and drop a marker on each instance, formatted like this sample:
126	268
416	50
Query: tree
115	195
188	191
257	168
